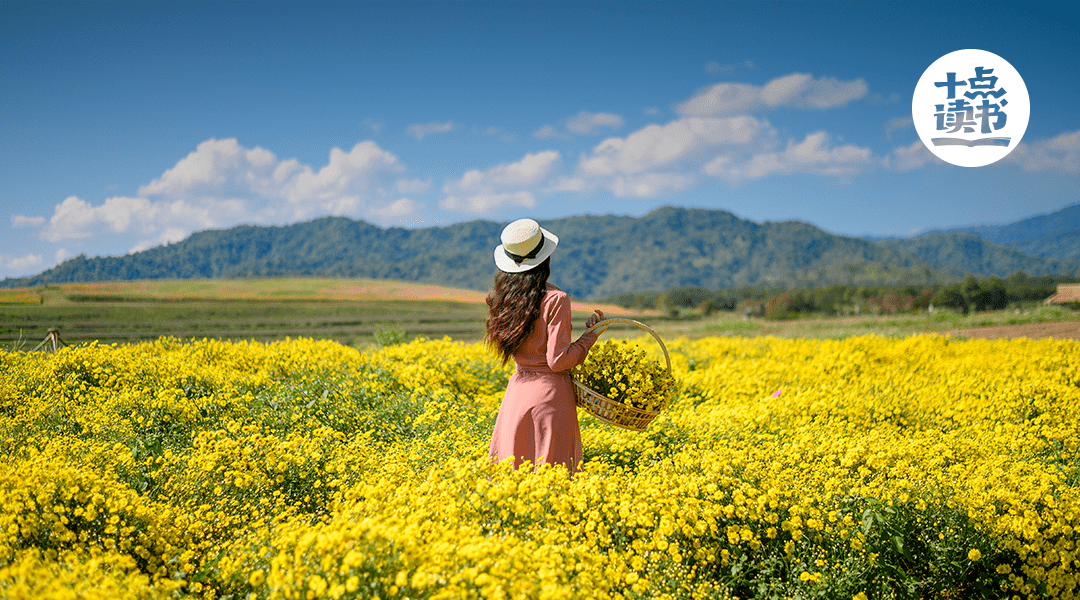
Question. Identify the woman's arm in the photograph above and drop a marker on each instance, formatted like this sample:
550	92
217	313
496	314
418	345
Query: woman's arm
562	355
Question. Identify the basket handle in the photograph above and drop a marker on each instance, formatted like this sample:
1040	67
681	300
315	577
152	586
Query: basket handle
603	324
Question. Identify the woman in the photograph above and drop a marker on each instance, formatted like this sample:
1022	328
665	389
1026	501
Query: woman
529	320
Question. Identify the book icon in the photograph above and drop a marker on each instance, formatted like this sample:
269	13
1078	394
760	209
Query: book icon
990	141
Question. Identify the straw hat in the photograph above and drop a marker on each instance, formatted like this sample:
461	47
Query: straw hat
524	245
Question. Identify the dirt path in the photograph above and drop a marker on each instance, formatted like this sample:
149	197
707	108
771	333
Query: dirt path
1063	330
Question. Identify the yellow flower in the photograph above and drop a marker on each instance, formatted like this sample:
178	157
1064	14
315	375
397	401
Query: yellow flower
310	468
257	578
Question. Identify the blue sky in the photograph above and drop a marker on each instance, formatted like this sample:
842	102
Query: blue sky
128	125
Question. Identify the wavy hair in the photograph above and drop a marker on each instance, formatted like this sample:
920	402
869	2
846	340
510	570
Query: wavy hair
514	307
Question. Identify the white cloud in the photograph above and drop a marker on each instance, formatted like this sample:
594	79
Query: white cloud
373	124
213	166
715	67
24	221
363	169
651	185
722	99
507	184
813	155
61	255
20	264
801	90
910	157
798	90
877	99
398	208
171	235
898	124
531	169
483	203
548	132
665	159
587	123
1059	154
222	170
583	123
569	184
499	133
75	218
422	130
662	146
222	184
658	160
413	187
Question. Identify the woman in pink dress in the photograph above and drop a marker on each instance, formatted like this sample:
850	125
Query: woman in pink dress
529	321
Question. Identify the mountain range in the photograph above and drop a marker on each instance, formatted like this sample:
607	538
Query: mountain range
1055	235
600	256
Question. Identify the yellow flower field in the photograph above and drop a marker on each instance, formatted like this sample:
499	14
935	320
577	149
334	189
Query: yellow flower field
862	468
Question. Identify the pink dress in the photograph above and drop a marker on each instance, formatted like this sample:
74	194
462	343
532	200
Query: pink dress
538	418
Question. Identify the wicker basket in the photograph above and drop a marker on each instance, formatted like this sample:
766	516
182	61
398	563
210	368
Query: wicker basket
613	411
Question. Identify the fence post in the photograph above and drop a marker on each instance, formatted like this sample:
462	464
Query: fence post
53	339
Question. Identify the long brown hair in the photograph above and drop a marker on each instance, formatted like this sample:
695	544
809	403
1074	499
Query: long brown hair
514	307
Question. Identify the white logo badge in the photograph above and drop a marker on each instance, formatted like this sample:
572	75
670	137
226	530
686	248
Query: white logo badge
970	108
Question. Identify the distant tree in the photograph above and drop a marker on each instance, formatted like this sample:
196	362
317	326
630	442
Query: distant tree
708	307
874	305
725	301
991	295
665	305
890	303
1018	278
952	297
970	287
780	307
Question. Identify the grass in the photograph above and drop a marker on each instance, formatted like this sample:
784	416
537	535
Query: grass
355	312
352	312
365	313
942	321
350	322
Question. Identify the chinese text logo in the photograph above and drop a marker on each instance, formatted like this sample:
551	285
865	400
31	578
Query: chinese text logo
970	108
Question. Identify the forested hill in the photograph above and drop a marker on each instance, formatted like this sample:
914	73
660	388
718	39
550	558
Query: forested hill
599	256
1037	232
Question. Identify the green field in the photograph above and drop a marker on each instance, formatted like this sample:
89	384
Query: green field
352	312
898	325
361	313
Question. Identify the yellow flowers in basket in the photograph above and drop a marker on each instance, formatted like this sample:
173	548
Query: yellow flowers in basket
620	385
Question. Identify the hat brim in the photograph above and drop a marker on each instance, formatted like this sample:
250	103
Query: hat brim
507	264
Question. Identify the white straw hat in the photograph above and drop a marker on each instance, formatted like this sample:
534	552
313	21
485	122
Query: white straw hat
524	245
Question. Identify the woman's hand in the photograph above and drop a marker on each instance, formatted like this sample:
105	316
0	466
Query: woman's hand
596	317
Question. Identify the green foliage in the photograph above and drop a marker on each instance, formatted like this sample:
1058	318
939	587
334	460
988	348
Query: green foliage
600	256
1055	235
966	253
389	336
993	293
1064	247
